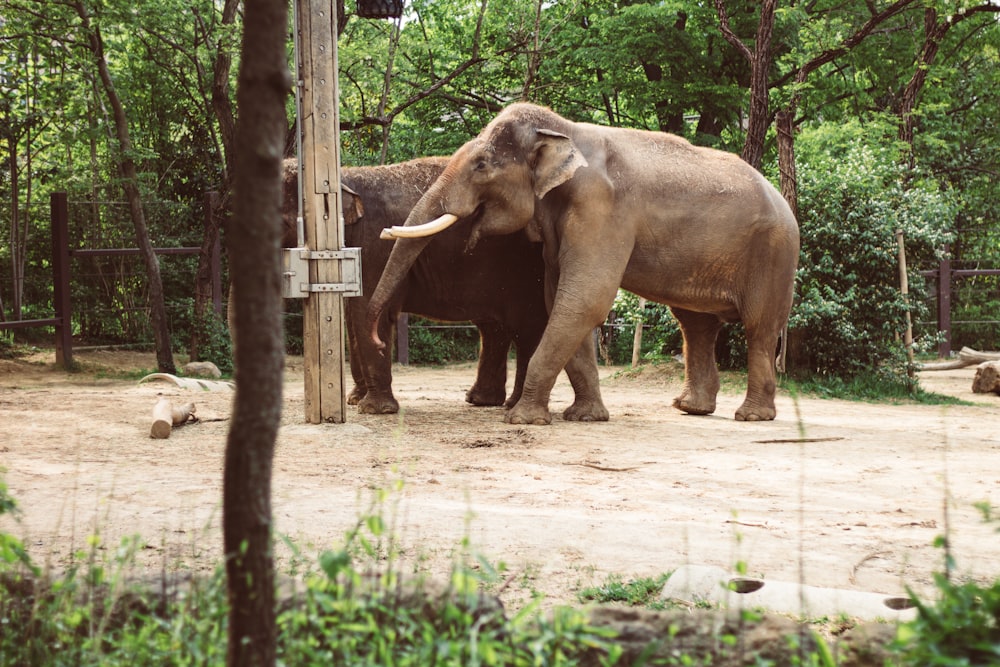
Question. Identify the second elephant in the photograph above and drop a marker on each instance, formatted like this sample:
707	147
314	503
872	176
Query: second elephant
499	286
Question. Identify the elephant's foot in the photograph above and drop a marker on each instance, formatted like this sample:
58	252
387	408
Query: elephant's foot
754	412
522	413
373	404
586	411
480	396
356	395
693	405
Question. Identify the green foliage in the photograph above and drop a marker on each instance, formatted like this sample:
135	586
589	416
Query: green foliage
12	551
354	609
865	387
639	592
433	343
214	341
962	627
854	196
661	335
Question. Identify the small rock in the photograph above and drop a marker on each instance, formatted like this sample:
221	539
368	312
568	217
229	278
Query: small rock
202	369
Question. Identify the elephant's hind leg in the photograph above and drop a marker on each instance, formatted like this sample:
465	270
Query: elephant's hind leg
701	375
490	387
761	382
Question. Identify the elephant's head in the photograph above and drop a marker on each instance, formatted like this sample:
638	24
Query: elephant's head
493	182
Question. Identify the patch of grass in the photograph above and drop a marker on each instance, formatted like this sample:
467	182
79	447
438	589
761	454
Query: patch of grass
639	592
134	374
9	349
866	388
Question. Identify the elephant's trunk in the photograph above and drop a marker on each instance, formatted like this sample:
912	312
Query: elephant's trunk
404	253
408	246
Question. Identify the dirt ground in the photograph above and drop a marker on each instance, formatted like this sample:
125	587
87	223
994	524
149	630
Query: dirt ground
836	494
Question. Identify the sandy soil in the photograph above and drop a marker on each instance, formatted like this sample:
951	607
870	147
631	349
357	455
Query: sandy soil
850	495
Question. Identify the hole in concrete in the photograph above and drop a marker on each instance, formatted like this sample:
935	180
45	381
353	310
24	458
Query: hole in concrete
898	603
744	585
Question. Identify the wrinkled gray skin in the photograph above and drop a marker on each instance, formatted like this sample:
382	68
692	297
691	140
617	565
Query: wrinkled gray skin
446	284
695	228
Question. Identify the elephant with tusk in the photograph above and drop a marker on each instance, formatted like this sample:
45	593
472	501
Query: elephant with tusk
695	228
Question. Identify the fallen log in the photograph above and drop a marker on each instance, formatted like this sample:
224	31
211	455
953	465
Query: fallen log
966	357
987	378
166	416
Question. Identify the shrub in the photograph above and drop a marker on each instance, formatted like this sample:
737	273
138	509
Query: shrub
854	195
962	627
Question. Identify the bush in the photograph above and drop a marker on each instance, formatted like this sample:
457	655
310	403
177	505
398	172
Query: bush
853	196
661	335
431	343
962	627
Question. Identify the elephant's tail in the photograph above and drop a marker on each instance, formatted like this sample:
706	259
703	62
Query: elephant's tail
781	358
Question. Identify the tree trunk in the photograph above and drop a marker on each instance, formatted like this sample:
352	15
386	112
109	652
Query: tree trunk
987	380
787	177
130	184
760	66
16	266
222	106
255	265
203	278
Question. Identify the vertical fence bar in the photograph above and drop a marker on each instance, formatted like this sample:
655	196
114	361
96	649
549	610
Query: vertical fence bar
209	203
402	339
59	213
944	303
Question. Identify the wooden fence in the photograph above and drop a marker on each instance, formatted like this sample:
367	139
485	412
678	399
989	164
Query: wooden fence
945	277
62	254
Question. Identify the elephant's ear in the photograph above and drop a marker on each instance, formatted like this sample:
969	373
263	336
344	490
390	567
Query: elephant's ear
351	205
554	159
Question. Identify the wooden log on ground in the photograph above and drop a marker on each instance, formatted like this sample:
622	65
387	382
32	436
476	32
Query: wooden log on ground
987	378
976	357
166	416
966	357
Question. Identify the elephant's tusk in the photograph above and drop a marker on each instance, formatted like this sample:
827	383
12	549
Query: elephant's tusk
418	231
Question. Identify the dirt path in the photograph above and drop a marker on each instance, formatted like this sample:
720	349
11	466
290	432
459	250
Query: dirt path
852	496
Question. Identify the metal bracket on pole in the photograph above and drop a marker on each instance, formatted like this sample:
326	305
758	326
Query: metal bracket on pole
295	282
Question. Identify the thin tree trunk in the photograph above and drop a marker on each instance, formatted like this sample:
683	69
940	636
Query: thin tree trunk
534	55
264	84
788	179
934	32
203	277
222	105
130	184
15	218
760	66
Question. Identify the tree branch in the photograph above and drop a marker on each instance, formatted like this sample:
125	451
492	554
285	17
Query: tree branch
727	31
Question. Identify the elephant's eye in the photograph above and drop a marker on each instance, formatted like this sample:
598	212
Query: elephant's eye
480	165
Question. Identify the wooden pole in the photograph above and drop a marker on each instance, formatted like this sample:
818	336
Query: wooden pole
319	163
637	338
904	287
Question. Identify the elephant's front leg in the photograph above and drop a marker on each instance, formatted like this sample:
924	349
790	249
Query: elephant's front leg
585	286
701	374
375	367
